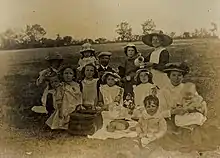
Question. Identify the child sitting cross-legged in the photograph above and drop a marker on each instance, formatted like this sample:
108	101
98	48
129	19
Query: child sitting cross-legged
151	125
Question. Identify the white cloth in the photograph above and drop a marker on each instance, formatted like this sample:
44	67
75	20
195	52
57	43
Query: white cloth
155	55
190	119
150	128
84	61
141	91
103	134
68	96
89	91
110	93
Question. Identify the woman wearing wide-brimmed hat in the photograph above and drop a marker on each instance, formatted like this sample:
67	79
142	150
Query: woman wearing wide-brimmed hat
159	57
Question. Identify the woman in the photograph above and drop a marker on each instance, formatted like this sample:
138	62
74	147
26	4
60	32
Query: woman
159	57
194	133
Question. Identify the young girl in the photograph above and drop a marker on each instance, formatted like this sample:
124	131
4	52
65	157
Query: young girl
151	125
144	88
88	56
128	69
90	86
110	93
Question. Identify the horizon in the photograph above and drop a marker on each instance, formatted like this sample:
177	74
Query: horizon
86	19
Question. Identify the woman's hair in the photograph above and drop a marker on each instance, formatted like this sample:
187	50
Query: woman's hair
126	49
150	78
152	98
61	71
105	79
95	71
92	54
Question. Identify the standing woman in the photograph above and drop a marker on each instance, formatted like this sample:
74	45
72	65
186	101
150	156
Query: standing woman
159	57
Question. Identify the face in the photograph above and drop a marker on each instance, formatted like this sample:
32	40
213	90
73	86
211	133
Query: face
87	54
68	75
54	82
144	77
151	107
89	72
104	60
156	41
176	78
130	52
110	81
55	63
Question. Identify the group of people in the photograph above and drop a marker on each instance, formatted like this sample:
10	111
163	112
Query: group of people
141	96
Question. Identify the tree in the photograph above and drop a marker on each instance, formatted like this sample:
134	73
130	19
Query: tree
124	31
34	33
101	40
148	26
186	35
67	40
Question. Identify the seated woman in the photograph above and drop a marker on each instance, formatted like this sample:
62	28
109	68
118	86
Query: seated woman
187	107
67	97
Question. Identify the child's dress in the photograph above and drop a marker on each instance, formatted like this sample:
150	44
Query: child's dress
150	128
66	99
90	92
113	99
84	61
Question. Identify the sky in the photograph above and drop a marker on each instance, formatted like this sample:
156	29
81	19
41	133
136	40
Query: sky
98	18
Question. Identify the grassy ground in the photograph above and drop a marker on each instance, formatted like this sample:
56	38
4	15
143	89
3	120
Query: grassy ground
19	94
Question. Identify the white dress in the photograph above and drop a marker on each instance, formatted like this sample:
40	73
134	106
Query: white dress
89	92
172	95
150	128
68	96
159	78
83	62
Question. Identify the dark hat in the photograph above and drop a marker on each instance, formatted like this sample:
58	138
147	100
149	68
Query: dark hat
105	54
147	39
54	56
178	66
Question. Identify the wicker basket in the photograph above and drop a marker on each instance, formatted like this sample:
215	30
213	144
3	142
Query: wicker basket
85	122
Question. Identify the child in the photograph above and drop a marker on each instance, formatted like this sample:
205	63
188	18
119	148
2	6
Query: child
90	86
57	119
54	60
144	88
88	56
194	107
151	125
127	71
72	95
112	95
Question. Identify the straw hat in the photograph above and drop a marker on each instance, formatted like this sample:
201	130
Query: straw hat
142	70
87	47
178	66
111	73
54	56
130	45
105	54
166	40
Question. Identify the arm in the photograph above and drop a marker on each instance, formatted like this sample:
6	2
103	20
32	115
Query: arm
164	59
162	129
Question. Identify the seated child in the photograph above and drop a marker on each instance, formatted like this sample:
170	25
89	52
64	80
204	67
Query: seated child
151	125
193	105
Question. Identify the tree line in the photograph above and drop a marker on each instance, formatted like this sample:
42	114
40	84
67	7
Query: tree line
33	36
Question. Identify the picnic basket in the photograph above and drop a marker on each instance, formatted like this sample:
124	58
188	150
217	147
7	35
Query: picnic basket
85	122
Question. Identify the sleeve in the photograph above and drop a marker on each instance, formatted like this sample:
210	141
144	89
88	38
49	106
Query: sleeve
162	128
164	59
139	129
41	78
147	59
121	69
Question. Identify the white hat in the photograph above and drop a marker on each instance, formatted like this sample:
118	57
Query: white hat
147	39
86	47
111	73
39	109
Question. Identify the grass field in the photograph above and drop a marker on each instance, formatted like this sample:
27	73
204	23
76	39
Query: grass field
19	70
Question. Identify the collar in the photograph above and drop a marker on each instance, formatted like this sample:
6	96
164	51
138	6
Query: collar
104	67
55	70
